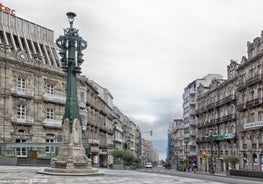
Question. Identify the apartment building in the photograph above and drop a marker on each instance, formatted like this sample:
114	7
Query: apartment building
189	108
229	115
216	122
32	99
250	106
177	151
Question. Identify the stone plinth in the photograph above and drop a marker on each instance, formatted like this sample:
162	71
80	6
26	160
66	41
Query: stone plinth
71	158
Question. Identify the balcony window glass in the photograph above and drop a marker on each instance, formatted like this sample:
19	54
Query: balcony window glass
21	83
50	89
21	112
50	113
260	116
252	117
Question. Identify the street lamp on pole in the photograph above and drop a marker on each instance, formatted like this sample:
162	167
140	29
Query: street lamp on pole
211	152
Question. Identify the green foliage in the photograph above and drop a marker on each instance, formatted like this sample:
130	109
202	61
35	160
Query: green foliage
126	157
167	165
233	160
117	154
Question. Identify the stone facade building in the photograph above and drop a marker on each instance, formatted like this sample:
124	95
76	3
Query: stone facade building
176	148
250	107
32	98
216	122
228	115
189	107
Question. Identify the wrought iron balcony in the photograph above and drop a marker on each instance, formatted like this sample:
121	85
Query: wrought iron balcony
253	80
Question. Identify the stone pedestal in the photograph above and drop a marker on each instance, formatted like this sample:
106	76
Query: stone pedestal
71	158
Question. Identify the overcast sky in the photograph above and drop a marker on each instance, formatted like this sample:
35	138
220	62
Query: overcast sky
145	52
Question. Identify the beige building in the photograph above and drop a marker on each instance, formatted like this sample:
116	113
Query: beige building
149	153
32	98
229	115
250	107
216	122
189	106
177	148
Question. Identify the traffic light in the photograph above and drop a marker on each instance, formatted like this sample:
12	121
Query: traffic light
151	132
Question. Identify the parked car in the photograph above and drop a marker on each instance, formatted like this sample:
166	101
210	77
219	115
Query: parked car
148	165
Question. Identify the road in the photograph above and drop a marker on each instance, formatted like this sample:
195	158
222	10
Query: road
205	177
28	175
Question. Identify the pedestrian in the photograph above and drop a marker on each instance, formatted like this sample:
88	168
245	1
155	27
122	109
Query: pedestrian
188	166
194	167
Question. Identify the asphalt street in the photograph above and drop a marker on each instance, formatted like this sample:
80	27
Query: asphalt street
28	175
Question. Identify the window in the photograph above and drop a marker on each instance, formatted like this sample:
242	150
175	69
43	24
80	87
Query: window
21	112
21	83
50	114
50	149
252	95
82	96
21	151
260	116
252	117
50	89
21	131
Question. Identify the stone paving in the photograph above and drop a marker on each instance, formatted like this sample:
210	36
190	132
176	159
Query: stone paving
28	175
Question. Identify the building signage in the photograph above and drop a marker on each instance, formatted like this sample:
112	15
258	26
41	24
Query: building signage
253	125
7	9
225	136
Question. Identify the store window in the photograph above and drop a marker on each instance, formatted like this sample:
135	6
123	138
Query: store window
21	151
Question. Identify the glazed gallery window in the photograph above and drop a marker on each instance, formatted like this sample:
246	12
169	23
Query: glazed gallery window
50	113
21	112
50	89
21	83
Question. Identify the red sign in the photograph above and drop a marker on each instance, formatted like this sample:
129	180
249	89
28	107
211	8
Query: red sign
7	10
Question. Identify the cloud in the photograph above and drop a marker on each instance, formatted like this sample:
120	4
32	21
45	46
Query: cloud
145	52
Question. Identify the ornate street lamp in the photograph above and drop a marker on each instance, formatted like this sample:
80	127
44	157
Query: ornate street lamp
71	45
71	158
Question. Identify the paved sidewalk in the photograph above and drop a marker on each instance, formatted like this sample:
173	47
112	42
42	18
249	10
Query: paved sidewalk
28	175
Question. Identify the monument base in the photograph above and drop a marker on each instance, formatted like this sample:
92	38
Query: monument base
71	172
71	159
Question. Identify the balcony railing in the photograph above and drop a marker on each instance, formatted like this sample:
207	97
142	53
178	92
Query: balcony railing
51	123
241	106
241	85
253	80
22	91
254	103
22	120
54	98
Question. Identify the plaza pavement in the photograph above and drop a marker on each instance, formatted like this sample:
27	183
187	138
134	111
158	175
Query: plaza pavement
28	175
